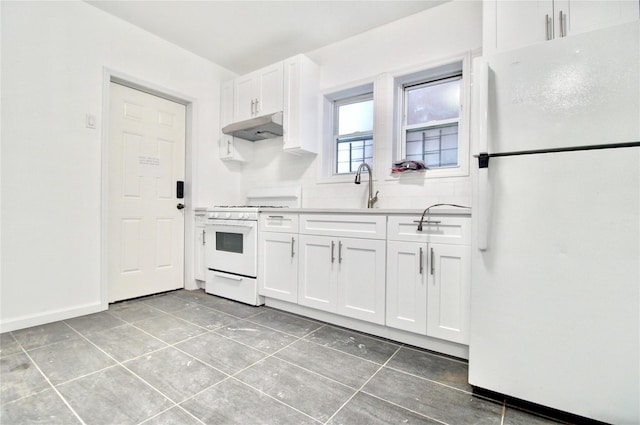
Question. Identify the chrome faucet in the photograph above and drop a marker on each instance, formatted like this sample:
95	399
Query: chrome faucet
372	199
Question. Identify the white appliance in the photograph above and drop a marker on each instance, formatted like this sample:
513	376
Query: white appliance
231	246
231	252
555	315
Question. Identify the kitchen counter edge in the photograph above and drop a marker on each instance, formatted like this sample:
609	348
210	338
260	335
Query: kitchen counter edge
381	211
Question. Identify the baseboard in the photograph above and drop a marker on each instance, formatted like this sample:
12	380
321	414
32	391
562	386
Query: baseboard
422	341
16	323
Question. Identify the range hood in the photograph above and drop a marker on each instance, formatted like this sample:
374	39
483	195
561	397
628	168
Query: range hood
258	128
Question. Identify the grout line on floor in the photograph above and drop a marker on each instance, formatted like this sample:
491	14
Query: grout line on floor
430	380
406	408
53	387
363	385
276	399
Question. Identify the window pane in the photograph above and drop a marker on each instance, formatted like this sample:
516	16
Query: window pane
436	146
355	117
351	152
433	102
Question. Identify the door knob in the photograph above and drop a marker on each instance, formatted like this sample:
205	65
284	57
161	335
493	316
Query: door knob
180	206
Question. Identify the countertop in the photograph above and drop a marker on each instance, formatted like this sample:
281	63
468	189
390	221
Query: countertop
381	211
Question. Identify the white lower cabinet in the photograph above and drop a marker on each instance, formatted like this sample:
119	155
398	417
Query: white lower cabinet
448	292
361	269
390	273
199	266
428	283
317	273
278	259
407	286
343	276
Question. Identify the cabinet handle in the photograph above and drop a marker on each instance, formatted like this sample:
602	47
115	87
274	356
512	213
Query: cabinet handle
428	221
340	252
333	245
432	262
204	241
276	216
421	269
228	147
563	24
253	102
548	26
257	106
293	241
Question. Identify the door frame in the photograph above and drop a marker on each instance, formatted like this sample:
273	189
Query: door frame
109	76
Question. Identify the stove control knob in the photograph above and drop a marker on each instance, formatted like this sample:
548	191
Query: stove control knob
243	215
227	215
216	215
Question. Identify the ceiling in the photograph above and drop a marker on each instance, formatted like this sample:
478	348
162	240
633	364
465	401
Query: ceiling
246	35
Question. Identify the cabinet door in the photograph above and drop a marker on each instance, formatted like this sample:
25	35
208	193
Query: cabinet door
407	286
269	94
278	262
448	292
225	145
230	148
244	97
512	24
317	269
361	277
300	105
200	267
588	15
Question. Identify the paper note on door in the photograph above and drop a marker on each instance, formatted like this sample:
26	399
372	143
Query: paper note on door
150	166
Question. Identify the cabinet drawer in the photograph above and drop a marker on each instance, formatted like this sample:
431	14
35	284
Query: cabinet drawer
279	222
355	226
435	229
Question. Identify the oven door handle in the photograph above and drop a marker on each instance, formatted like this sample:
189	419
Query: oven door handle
228	276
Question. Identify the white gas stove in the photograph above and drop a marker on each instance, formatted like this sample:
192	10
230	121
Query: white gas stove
237	212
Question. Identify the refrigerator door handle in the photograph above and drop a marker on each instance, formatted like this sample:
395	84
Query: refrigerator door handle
483	148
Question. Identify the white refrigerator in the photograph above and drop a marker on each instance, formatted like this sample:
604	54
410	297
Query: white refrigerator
555	307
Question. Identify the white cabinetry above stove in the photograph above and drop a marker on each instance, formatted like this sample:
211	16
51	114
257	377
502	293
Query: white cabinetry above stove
258	93
231	148
290	87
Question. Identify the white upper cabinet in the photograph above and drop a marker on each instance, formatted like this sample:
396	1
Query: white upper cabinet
511	24
583	16
231	148
300	121
258	93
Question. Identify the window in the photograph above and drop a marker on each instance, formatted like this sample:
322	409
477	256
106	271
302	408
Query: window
353	133
431	121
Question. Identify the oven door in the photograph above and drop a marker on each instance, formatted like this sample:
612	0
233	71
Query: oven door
232	246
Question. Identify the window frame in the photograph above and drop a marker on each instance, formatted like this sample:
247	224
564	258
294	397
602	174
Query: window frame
432	72
356	136
327	169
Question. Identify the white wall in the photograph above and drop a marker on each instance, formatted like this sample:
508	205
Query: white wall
432	35
53	59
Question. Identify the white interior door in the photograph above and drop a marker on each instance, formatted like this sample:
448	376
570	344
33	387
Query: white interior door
146	229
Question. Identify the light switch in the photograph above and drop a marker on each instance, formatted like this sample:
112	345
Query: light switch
90	121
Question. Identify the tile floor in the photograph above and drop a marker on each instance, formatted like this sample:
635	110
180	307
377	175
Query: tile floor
187	357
